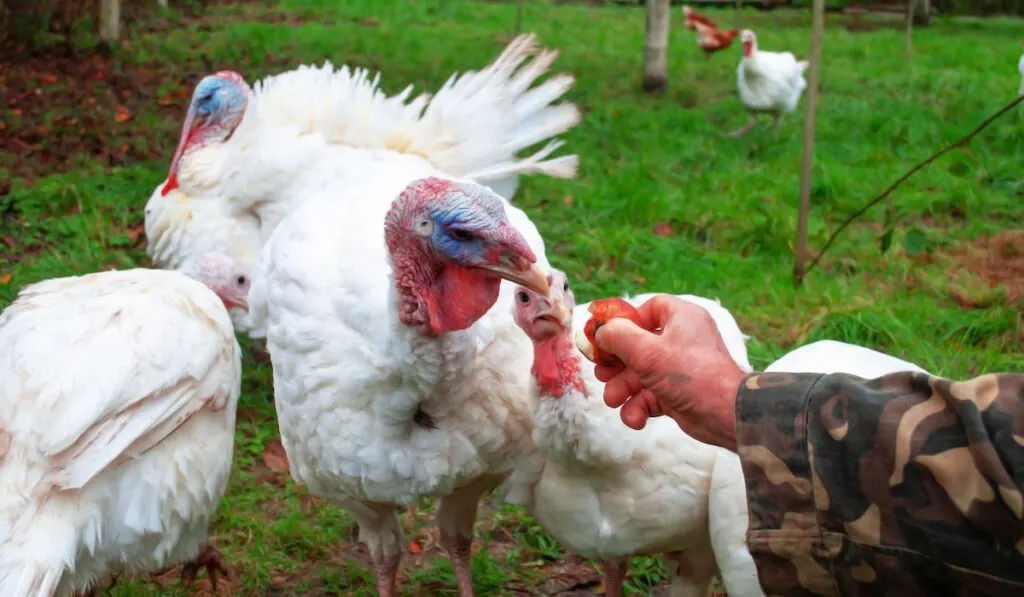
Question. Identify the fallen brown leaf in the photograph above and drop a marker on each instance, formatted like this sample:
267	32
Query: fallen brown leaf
5	278
567	199
275	457
47	79
123	114
663	229
7	240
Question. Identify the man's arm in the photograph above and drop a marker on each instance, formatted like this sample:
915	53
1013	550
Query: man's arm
909	483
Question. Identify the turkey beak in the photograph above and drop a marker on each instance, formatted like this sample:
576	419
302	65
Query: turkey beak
519	270
240	304
554	309
516	261
186	137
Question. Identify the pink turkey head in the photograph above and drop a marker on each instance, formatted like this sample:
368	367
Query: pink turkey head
749	40
218	104
223	276
547	320
451	245
543	317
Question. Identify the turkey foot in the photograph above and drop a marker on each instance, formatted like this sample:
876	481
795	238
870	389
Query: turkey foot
209	557
751	123
614	573
387	575
458	548
95	591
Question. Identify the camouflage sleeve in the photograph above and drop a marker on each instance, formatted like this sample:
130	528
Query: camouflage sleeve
900	486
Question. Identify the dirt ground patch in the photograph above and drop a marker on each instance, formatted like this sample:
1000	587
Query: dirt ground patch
66	105
996	260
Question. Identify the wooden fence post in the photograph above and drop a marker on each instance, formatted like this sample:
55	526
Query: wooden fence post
807	167
656	46
110	20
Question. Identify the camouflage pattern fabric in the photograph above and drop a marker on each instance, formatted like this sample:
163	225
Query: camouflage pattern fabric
899	486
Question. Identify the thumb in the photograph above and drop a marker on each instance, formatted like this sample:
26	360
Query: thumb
626	340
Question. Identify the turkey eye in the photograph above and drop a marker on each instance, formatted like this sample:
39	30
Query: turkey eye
241	280
461	235
522	297
565	287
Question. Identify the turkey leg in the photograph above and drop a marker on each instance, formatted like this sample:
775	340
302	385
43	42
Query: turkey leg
209	558
777	120
614	574
456	518
751	123
380	530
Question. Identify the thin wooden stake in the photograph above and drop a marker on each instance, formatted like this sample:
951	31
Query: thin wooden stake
910	25
807	168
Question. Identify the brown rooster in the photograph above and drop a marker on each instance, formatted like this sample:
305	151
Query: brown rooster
693	17
709	37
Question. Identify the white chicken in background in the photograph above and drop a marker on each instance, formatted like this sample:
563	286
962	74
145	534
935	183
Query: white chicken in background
830	356
398	370
768	82
260	153
117	419
1020	69
608	492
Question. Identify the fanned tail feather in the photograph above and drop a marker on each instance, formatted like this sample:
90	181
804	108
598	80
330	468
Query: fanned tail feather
473	127
478	121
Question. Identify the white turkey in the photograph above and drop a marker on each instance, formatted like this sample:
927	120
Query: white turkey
260	153
768	82
180	229
608	492
830	356
117	418
398	370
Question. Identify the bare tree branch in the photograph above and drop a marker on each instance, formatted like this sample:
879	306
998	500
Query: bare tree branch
958	143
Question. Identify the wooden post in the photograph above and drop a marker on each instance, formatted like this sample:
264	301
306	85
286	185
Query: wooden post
911	4
807	168
110	20
656	46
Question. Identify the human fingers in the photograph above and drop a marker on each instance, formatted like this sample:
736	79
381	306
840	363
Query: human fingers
657	311
639	408
624	339
621	387
606	372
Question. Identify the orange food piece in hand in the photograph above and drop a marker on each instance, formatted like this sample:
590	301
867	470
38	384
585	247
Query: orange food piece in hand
602	311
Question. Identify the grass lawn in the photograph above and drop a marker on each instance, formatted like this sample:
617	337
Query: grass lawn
664	202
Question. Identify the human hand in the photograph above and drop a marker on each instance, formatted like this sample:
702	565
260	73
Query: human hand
684	372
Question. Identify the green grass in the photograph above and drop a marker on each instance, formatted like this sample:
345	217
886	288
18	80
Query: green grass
645	161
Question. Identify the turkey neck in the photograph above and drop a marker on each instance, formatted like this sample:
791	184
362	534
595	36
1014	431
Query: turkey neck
556	367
